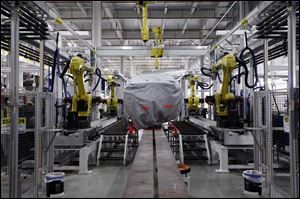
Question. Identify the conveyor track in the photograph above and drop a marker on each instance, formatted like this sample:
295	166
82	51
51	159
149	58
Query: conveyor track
187	128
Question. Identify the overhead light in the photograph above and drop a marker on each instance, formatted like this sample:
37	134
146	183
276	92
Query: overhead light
80	33
126	47
237	32
201	47
50	27
69	44
75	45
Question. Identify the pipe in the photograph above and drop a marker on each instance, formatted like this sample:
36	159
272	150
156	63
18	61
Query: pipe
272	26
254	12
218	23
53	13
282	7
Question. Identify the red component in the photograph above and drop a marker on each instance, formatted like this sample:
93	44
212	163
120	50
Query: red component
173	129
168	106
131	129
146	108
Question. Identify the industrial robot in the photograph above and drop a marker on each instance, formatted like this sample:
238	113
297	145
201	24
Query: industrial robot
193	100
112	101
81	101
227	104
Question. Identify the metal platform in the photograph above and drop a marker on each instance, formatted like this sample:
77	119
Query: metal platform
119	128
115	140
187	128
191	143
225	140
154	172
83	141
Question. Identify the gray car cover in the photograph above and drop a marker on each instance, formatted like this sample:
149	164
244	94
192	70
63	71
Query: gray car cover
151	100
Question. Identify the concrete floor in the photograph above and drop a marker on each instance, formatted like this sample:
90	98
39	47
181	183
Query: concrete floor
106	181
109	180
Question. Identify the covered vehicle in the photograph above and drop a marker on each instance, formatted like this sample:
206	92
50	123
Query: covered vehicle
150	100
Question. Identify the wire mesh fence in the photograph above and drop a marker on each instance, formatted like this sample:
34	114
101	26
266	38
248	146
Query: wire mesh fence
26	143
281	158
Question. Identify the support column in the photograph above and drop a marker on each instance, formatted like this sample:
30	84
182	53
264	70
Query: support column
293	96
266	67
121	88
122	72
97	42
132	69
37	130
202	90
41	75
14	108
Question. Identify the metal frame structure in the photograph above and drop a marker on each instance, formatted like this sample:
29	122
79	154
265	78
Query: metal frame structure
81	144
191	139
263	132
293	95
263	136
116	139
14	85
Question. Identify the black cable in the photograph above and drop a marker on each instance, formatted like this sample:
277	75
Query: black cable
218	75
204	85
98	73
65	69
204	73
209	74
276	104
243	64
68	75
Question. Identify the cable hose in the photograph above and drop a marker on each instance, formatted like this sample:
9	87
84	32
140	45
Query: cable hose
218	75
204	86
243	64
209	74
55	62
98	73
204	73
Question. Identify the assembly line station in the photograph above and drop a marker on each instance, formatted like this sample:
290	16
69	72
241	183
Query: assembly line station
150	99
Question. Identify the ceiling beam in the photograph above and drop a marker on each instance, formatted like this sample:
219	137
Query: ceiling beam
107	42
194	5
164	20
48	8
82	9
116	24
166	8
145	51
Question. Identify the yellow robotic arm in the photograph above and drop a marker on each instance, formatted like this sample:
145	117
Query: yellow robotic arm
193	100
112	101
81	100
157	51
144	30
227	64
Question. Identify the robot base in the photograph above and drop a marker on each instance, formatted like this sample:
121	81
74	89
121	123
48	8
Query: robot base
231	121
75	122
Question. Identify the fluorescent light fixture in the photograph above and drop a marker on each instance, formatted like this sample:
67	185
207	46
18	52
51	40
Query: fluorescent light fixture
50	27
75	45
81	33
202	47
126	47
237	32
69	44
